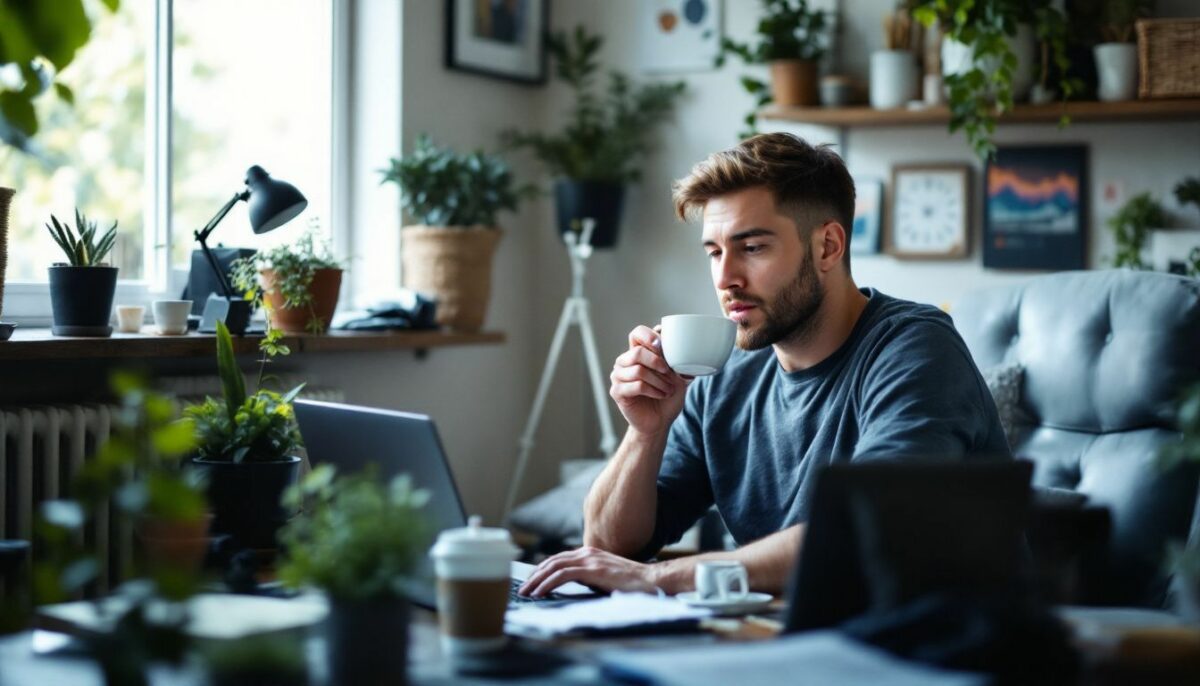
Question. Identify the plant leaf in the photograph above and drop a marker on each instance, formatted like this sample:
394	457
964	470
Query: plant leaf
232	382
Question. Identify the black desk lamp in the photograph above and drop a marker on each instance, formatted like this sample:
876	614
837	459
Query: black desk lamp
273	203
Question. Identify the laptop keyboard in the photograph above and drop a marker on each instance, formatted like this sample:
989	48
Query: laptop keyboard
516	599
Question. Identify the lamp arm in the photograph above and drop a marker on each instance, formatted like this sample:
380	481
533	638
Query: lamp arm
202	238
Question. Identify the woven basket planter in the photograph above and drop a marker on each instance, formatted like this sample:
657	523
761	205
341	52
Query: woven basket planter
6	195
1169	58
453	265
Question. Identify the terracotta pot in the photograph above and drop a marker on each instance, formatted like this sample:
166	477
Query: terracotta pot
794	83
454	265
325	286
179	545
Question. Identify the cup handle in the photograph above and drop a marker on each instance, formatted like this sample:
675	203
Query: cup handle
728	577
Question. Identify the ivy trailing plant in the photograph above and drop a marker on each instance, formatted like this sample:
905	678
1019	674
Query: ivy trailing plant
978	96
37	41
788	30
82	246
441	187
1188	191
607	134
1129	226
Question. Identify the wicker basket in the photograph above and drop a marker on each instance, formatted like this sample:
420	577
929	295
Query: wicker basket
455	266
6	195
1169	58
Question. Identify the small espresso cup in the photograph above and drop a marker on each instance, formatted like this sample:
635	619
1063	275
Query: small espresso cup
171	316
472	565
129	318
697	344
722	580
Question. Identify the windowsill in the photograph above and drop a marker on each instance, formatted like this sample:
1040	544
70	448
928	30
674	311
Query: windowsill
40	344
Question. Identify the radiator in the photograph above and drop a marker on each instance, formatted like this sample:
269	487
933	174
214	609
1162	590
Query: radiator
42	448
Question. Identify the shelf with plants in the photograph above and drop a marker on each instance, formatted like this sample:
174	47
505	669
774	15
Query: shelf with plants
1184	109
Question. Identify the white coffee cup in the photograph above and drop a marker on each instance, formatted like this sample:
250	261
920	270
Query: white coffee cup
129	318
472	565
723	580
697	344
171	316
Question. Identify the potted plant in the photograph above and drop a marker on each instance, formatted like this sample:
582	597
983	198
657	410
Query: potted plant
455	198
1184	558
81	289
1116	57
982	86
597	153
359	541
246	450
297	285
790	40
1130	225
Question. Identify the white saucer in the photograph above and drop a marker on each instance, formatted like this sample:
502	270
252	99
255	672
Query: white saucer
751	602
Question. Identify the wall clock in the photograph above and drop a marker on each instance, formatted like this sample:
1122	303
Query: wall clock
931	209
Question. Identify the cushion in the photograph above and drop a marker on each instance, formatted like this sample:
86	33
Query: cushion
558	513
1004	382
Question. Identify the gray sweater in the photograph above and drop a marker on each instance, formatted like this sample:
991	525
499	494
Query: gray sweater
752	438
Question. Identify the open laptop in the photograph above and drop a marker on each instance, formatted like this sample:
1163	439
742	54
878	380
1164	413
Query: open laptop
352	438
881	534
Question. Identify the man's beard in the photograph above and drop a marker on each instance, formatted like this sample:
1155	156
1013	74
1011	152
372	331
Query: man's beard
790	316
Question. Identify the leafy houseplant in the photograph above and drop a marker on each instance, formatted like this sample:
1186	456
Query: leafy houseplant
1129	226
297	285
247	446
359	541
456	198
791	39
1188	191
1184	559
81	289
607	134
984	89
1116	57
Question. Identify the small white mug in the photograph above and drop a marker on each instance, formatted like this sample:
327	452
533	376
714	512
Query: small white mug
697	344
171	316
129	318
723	580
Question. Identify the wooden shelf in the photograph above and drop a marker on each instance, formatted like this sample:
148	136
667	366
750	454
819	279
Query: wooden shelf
1079	112
40	344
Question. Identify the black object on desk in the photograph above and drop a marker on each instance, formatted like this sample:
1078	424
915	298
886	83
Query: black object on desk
409	310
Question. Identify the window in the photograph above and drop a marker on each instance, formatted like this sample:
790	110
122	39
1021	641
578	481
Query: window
244	83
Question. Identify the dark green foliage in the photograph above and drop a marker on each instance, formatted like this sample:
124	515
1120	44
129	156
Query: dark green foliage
979	95
789	30
294	268
607	134
358	539
1188	191
1183	559
443	188
1129	226
81	245
41	38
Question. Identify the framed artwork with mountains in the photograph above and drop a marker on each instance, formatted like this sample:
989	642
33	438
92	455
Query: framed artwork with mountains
1035	212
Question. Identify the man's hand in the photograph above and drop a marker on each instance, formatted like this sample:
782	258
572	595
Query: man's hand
647	391
593	567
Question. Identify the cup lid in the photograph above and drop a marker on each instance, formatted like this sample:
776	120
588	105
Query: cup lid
475	540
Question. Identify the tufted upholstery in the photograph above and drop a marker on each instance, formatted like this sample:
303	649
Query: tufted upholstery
1105	354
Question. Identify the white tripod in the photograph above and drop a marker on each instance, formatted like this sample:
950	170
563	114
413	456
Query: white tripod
575	311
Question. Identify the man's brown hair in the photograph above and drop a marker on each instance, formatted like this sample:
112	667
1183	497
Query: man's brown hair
810	183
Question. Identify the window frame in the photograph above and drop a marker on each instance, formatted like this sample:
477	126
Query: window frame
28	302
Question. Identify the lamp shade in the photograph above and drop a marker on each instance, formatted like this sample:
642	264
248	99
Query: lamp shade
273	203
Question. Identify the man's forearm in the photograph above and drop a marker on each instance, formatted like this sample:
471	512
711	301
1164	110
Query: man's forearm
620	510
768	561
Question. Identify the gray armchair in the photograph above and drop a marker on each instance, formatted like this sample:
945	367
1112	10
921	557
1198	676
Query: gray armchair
1105	355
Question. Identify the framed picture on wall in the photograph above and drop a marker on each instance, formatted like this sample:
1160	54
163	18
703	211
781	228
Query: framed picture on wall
679	35
868	216
931	209
501	38
1035	208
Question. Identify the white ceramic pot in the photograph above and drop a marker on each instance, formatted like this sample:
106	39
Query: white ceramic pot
893	78
957	58
1116	67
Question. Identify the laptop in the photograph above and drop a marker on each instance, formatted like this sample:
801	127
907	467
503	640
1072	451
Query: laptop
352	438
881	534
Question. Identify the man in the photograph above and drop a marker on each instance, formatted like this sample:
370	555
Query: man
826	372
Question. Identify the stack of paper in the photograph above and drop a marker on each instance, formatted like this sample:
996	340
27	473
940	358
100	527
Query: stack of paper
616	613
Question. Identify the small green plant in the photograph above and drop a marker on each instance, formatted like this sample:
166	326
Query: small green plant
606	135
81	245
357	539
1130	225
1181	558
443	188
982	93
239	427
294	268
1118	17
788	30
1188	191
